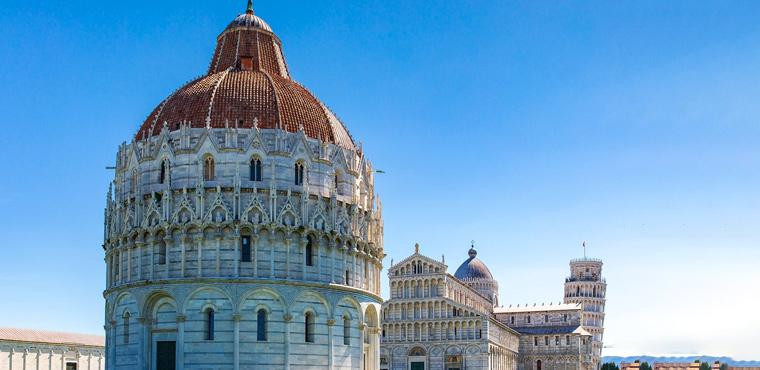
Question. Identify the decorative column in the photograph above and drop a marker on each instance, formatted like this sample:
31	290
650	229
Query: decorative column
255	242
183	242
332	264
287	318
318	246
375	347
181	342
237	252
271	254
140	246
287	258
199	244
219	253
330	324
152	243
130	246
362	333
168	240
145	327
302	248
236	338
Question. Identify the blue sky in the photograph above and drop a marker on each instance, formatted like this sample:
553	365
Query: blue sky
526	126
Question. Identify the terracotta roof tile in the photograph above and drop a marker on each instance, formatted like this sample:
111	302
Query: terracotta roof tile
53	337
234	94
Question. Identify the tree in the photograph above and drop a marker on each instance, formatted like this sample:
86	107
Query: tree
705	366
723	366
610	366
645	366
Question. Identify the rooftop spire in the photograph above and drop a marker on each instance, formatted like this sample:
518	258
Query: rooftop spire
249	10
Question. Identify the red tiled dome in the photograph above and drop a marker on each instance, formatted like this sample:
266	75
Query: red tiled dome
247	81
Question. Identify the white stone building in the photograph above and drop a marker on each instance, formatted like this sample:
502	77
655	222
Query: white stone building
435	320
438	321
24	349
242	228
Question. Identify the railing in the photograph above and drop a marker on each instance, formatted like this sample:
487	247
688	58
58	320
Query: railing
585	259
589	279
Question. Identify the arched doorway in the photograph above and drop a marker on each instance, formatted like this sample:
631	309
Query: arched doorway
538	365
417	359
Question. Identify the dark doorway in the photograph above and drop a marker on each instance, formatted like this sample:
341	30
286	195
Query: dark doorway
417	366
166	355
538	365
71	366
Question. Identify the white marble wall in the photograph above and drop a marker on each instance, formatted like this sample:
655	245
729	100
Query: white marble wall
44	356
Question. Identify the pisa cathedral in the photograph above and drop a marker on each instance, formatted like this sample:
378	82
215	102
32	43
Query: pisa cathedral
439	321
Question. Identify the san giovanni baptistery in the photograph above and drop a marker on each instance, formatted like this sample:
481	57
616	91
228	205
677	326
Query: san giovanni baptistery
242	230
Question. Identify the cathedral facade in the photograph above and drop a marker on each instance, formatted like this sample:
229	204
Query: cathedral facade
439	321
241	229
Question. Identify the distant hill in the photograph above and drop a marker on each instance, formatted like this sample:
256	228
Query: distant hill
653	359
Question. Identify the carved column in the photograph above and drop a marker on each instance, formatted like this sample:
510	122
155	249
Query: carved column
271	254
287	319
145	347
183	243
236	338
139	247
168	241
180	342
152	244
255	242
219	253
287	258
199	244
330	324
237	252
129	261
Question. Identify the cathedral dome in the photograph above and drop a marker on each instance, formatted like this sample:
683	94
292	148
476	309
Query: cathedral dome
473	268
247	85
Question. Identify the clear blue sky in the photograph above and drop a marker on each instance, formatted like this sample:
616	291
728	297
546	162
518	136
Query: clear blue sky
526	126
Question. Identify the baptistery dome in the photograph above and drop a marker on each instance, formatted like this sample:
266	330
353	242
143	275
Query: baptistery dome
247	85
242	228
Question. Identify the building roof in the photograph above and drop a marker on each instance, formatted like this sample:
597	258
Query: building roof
51	337
542	308
473	268
247	85
551	330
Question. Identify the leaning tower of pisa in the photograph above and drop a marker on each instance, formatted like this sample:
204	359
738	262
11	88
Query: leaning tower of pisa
587	286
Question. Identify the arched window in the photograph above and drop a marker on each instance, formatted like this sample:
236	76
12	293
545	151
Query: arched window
577	291
209	170
299	173
309	327
126	327
255	169
245	248
162	176
309	252
162	253
261	325
346	331
210	324
347	280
